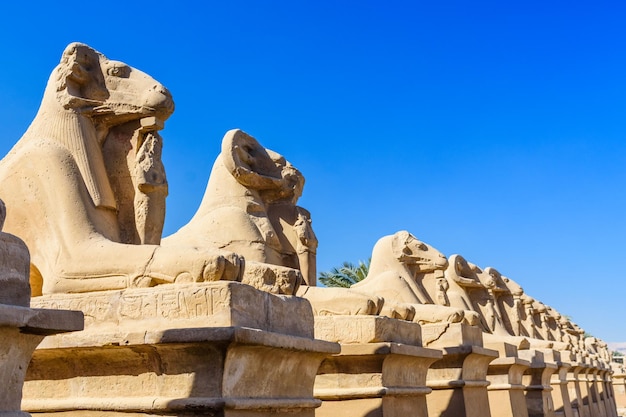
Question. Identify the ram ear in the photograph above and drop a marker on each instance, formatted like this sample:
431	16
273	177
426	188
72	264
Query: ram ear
79	69
460	265
399	244
249	162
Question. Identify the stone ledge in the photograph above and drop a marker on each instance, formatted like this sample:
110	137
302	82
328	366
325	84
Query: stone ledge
385	348
232	334
40	321
342	394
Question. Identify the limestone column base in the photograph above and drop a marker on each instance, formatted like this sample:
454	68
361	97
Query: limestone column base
230	371
559	383
506	391
537	381
459	379
619	392
578	389
381	370
376	379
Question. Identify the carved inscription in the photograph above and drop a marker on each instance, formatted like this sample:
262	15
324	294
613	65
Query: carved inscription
432	332
175	304
344	330
170	303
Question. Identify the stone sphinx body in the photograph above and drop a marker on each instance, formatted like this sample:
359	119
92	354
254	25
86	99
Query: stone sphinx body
399	264
60	198
249	208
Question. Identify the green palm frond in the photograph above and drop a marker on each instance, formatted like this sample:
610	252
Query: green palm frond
346	275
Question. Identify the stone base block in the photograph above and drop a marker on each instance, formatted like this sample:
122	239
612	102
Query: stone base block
506	392
441	335
578	390
225	371
559	382
459	382
537	381
381	370
367	329
214	348
619	391
375	379
207	304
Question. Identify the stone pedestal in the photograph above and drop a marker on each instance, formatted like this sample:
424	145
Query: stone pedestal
597	381
592	390
21	330
381	370
560	392
610	393
619	391
459	379
219	348
537	381
577	387
506	392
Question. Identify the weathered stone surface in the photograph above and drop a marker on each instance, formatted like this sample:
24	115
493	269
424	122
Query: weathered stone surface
506	391
220	303
399	264
179	372
618	387
537	381
442	335
459	382
560	391
213	348
381	369
367	329
386	379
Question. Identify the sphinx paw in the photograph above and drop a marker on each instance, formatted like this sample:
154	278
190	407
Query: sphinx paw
226	266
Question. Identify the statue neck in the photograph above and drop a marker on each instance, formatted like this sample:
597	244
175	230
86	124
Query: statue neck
77	134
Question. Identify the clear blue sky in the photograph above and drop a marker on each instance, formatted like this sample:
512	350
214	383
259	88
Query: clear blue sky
490	129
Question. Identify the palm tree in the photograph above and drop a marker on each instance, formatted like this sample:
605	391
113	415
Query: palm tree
346	275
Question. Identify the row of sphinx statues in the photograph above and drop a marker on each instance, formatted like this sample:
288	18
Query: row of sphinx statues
85	189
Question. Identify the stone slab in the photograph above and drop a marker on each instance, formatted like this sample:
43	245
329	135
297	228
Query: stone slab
375	379
459	382
207	304
367	329
40	321
440	335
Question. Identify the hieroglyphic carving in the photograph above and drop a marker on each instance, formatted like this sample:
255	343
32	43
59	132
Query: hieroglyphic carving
366	329
180	302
